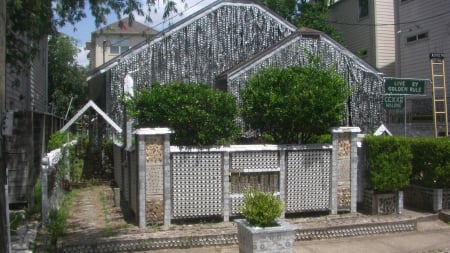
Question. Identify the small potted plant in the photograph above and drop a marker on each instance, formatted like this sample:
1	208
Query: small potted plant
262	230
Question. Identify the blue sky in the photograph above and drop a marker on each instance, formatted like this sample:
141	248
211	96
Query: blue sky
84	28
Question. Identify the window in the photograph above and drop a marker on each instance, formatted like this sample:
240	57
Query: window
416	37
363	8
118	46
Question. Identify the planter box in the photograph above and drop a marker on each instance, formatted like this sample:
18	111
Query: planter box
383	203
424	198
280	239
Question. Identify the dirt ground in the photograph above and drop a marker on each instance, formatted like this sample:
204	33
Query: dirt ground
93	214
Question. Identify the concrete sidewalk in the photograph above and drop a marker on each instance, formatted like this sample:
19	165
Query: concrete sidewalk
431	237
96	225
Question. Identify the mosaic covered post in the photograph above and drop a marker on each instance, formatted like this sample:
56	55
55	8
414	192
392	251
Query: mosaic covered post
343	178
153	181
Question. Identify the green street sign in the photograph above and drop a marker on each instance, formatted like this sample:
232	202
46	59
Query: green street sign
393	102
404	86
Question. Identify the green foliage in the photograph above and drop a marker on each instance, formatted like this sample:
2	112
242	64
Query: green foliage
198	114
431	162
390	162
285	8
26	19
58	139
305	13
261	209
314	14
16	219
58	218
72	161
37	192
67	80
295	103
35	19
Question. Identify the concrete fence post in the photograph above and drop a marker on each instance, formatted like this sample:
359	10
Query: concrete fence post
343	178
167	184
283	177
154	177
437	199
44	189
141	179
226	186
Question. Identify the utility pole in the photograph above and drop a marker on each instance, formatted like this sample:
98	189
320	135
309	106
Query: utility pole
5	242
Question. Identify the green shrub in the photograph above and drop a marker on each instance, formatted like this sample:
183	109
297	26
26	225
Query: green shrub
431	162
293	104
57	223
390	162
198	114
37	203
261	209
58	139
58	218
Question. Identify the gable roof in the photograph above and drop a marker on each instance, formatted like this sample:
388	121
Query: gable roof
123	26
191	21
92	105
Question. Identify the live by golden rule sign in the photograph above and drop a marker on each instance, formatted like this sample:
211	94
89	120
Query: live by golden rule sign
395	90
403	86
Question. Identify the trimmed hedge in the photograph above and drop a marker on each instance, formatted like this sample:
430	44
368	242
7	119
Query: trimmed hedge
431	162
394	162
390	162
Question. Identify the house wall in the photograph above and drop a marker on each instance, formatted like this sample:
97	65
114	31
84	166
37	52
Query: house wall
365	36
425	16
429	17
385	53
28	91
358	35
26	97
97	52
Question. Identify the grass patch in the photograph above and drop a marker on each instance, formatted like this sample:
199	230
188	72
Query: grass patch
58	218
15	220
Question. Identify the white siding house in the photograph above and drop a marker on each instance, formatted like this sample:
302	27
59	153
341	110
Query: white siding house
357	19
399	36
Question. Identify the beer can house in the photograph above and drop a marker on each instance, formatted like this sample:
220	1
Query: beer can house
223	45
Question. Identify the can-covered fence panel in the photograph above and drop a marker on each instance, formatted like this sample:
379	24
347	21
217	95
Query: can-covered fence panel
197	184
308	180
210	182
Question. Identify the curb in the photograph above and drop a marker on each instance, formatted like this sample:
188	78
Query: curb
118	244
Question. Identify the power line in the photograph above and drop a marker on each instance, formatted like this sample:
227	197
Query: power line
392	24
160	23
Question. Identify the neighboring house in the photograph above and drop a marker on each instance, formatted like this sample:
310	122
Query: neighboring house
26	102
115	39
375	44
397	37
225	43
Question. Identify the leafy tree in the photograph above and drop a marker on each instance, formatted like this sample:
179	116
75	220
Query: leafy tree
66	79
295	103
305	13
285	8
31	20
198	114
314	14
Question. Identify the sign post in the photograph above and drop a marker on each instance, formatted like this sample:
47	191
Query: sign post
396	90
